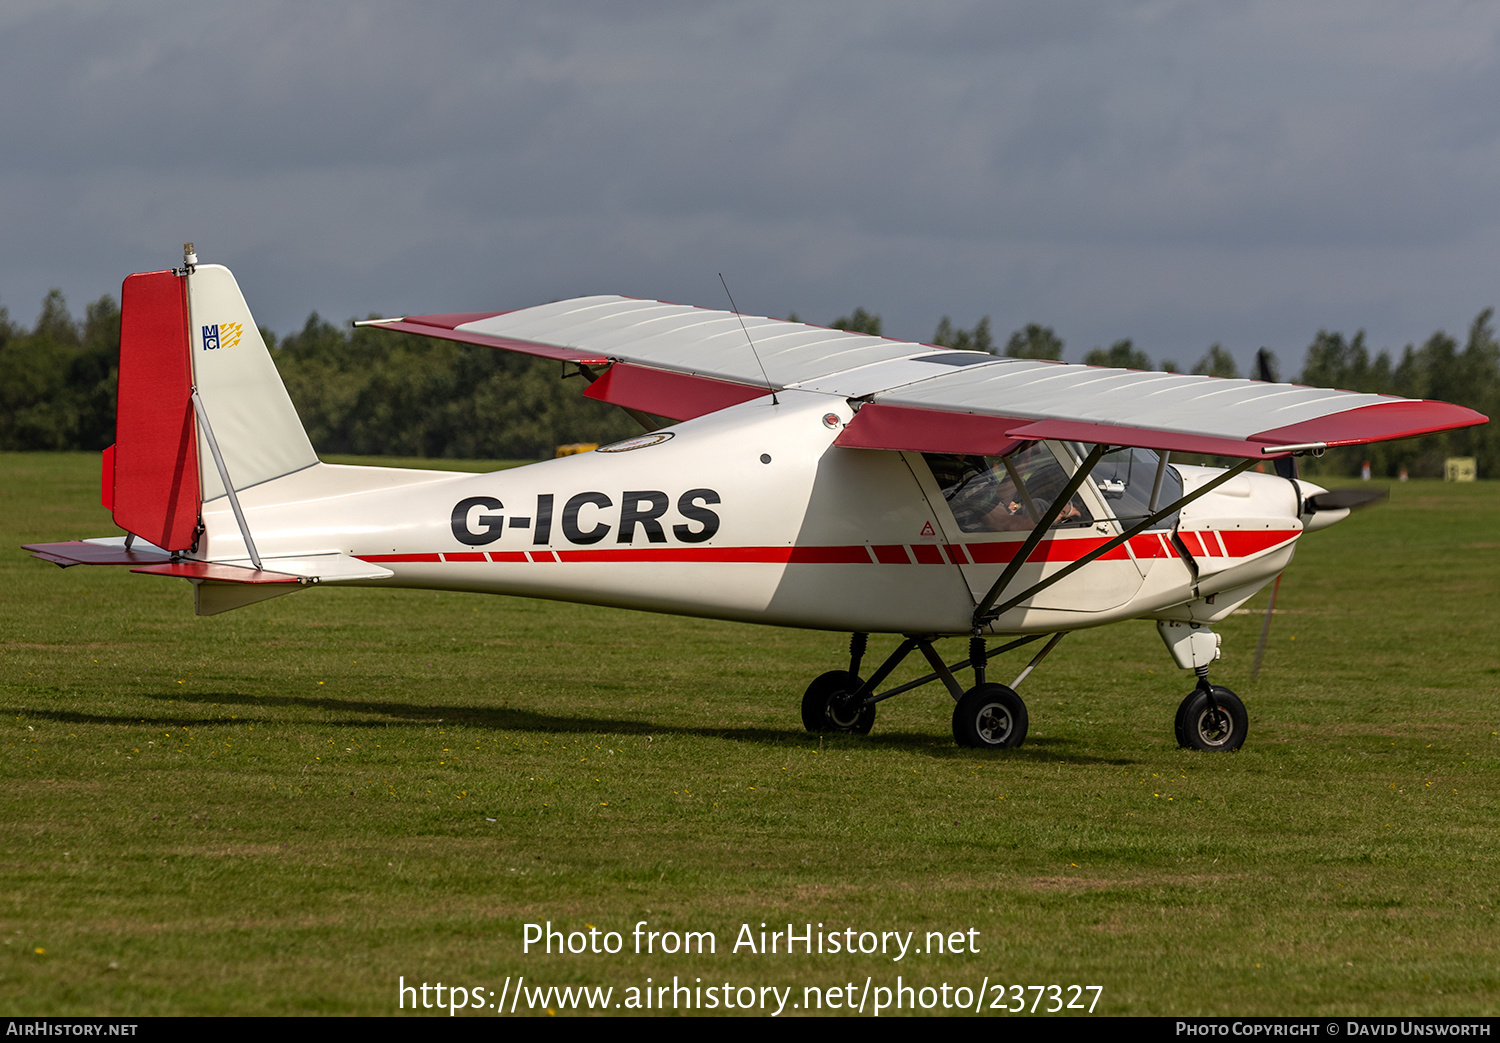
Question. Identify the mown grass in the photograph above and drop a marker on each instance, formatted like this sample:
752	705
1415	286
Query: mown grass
285	808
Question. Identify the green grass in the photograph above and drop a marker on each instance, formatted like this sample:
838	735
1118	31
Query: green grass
284	808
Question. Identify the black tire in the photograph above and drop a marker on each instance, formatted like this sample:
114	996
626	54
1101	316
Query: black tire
1200	728
826	705
990	717
1179	724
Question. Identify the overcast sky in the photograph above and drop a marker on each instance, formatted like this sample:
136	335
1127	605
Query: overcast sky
1177	173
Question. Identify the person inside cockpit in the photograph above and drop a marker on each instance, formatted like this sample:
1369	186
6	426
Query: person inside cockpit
1006	494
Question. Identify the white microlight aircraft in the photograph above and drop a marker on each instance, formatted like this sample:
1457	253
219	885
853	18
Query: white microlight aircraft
815	478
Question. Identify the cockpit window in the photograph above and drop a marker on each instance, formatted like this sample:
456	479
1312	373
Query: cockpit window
1124	479
1006	494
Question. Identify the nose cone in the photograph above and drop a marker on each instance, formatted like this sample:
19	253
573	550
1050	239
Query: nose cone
1313	515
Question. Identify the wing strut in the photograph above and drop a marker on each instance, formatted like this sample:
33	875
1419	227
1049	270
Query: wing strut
1161	474
984	614
234	501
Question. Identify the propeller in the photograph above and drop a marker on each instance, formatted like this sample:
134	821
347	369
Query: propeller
1345	499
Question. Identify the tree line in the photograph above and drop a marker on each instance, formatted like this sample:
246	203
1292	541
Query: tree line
369	391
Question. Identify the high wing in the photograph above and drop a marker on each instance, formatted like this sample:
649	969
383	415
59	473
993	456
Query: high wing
680	362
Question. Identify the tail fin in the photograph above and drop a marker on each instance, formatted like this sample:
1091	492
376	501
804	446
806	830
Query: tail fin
183	330
253	419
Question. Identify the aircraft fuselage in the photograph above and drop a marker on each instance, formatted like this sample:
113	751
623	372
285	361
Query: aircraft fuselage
752	513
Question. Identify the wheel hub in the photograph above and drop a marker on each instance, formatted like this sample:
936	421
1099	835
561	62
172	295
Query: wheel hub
994	724
844	710
1215	727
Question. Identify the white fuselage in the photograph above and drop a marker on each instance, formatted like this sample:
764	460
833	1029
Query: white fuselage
752	513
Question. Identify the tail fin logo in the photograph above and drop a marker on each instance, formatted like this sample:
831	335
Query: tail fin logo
224	335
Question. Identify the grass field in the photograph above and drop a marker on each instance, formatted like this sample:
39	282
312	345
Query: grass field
288	808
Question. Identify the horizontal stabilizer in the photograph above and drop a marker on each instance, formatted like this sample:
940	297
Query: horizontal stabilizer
220	586
215	570
108	551
331	567
301	568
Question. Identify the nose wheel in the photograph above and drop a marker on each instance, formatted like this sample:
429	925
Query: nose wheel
1211	718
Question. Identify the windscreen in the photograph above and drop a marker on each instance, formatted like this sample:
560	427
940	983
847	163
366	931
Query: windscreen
1125	478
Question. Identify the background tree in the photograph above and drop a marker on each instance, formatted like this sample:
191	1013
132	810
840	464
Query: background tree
1217	363
1122	354
373	392
860	322
94	373
370	391
1437	370
1034	341
57	381
977	339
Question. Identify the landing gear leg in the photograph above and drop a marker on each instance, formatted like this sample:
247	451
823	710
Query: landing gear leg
1211	717
836	701
858	642
988	716
993	716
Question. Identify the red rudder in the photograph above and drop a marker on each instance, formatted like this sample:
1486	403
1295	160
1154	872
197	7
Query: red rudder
155	492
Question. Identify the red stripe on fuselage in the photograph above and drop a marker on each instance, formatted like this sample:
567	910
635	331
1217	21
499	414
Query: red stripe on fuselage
1238	544
927	554
1047	550
1241	543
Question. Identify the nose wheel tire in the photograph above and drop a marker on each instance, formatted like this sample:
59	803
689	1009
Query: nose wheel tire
989	717
828	705
1202	727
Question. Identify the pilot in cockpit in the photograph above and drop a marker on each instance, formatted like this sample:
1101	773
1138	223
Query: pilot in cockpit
987	496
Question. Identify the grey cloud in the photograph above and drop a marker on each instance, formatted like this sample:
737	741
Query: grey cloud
1154	169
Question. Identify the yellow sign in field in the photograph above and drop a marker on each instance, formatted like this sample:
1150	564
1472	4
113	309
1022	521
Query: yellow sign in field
1460	469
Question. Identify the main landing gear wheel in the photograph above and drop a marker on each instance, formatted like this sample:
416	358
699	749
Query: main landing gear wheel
989	717
1201	727
828	705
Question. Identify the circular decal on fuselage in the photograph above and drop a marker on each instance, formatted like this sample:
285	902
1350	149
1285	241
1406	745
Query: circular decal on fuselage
639	442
